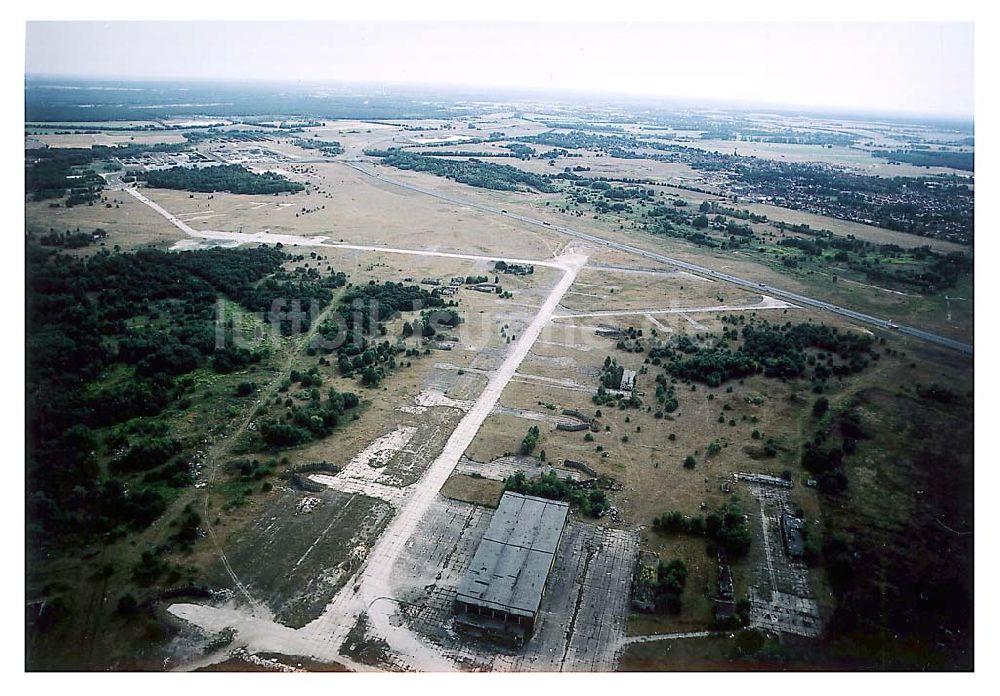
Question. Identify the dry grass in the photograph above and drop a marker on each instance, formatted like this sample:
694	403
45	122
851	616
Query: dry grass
471	489
129	223
108	138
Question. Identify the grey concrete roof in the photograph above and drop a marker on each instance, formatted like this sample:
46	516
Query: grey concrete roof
510	567
628	379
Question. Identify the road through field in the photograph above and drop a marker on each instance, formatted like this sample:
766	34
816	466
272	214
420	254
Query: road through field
370	591
320	241
694	268
375	578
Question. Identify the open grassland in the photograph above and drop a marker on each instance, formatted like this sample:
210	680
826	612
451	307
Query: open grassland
107	138
470	489
343	207
129	223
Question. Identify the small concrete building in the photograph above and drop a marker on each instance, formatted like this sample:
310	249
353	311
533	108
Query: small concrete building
502	590
608	331
628	380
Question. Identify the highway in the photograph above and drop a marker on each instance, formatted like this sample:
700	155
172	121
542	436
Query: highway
787	295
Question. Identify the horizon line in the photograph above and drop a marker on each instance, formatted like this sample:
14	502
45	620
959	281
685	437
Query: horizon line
686	100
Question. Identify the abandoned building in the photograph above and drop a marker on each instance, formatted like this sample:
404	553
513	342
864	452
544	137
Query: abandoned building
500	594
763	479
793	532
608	331
628	380
644	582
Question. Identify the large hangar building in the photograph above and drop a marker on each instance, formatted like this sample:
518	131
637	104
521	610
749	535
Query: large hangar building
503	587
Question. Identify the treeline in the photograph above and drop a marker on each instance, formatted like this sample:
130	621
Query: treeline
232	178
499	177
930	158
716	208
71	240
111	342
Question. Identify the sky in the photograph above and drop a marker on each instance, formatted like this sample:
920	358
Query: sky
920	68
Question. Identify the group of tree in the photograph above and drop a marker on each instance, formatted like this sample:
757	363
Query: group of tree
361	315
727	527
671	579
55	172
379	302
233	178
609	383
500	177
62	171
111	340
329	148
784	351
590	500
311	421
965	161
888	264
836	437
530	440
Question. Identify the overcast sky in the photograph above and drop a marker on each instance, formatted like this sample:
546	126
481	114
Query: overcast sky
918	68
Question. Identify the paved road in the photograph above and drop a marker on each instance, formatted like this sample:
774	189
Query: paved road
765	303
370	591
788	295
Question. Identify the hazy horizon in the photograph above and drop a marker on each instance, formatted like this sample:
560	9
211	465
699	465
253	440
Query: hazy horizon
920	69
